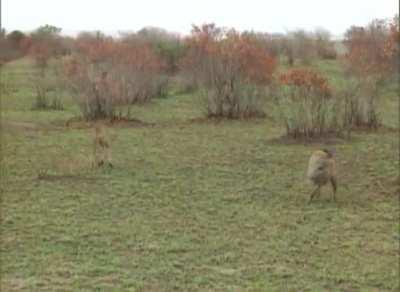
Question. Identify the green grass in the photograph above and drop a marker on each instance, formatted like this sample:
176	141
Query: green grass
191	206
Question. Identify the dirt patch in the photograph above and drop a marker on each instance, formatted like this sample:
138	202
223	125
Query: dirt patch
331	138
380	188
129	123
10	126
217	120
79	123
6	125
391	187
381	130
49	177
205	120
326	139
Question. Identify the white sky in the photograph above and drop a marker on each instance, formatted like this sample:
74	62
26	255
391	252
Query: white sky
178	15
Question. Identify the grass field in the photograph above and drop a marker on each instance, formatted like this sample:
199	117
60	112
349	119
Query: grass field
191	205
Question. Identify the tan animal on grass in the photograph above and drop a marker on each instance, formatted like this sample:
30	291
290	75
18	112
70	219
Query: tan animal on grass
322	170
101	147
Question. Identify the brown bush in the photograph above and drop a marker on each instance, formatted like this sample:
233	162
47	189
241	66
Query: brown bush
324	46
306	105
230	68
310	108
360	104
373	50
302	46
44	44
8	51
108	76
47	87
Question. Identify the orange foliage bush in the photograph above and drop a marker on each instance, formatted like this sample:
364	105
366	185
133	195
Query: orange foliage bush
240	54
230	67
96	49
108	76
43	44
306	105
372	57
308	79
373	50
392	43
41	52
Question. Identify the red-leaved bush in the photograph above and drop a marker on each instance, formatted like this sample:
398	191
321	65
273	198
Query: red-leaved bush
230	69
360	104
392	44
108	76
310	108
372	58
373	50
43	44
306	79
306	105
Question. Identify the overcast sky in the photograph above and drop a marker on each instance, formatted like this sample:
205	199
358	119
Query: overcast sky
178	15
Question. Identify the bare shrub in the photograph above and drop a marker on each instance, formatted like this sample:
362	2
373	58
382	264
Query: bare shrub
373	50
47	87
306	105
324	46
231	70
168	46
310	108
360	104
186	82
89	86
302	46
372	59
108	76
43	45
240	101
9	50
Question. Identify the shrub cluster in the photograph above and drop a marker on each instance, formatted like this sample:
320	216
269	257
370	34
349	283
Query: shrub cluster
360	104
306	105
108	76
310	108
231	70
47	90
373	50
